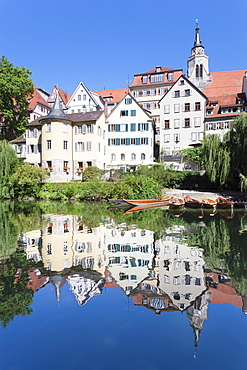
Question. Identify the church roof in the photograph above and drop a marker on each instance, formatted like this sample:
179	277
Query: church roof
224	83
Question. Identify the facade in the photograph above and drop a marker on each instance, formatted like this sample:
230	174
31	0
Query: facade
148	88
67	144
182	112
83	100
130	136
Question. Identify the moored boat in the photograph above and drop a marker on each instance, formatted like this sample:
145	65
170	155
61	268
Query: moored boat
192	203
223	202
175	202
144	202
208	203
143	208
239	203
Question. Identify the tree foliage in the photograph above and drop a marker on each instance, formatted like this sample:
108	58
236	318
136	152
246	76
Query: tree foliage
91	173
15	87
8	165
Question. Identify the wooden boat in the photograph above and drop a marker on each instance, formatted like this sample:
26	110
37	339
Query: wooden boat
175	202
208	203
144	202
116	201
176	212
223	202
192	203
143	208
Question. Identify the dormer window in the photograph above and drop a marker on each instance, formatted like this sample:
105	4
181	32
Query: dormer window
181	82
158	69
209	112
170	76
144	79
157	78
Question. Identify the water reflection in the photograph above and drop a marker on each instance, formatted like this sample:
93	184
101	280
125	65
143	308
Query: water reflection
181	264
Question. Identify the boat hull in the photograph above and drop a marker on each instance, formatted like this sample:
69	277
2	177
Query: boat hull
147	202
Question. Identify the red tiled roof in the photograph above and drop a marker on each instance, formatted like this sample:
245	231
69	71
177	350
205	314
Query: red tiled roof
116	94
230	100
64	96
224	83
138	77
162	69
36	98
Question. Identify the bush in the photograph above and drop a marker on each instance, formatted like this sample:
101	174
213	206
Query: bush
91	174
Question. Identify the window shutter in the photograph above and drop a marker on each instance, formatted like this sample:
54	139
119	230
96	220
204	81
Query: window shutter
128	141
117	141
76	129
28	134
109	142
126	127
35	132
139	127
215	126
118	127
146	140
183	107
84	129
138	141
222	125
192	106
147	126
109	127
92	127
206	125
35	149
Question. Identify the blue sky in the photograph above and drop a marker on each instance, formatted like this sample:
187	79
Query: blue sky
104	42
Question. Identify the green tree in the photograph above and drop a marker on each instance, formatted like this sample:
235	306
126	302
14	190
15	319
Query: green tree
91	173
15	87
8	165
27	180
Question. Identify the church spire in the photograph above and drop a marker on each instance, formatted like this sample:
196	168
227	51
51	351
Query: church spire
198	41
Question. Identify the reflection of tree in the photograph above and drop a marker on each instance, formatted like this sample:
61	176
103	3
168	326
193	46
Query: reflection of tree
15	297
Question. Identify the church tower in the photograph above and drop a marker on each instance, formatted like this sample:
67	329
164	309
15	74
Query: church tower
198	72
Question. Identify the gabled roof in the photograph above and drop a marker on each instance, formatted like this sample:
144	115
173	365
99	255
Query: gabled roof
63	95
36	98
131	96
86	90
85	117
189	82
224	83
115	94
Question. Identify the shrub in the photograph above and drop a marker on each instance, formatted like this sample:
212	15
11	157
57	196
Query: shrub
91	174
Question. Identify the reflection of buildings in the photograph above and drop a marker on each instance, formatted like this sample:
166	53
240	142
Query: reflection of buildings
33	242
129	255
179	268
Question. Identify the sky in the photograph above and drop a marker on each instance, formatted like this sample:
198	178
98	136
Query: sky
104	43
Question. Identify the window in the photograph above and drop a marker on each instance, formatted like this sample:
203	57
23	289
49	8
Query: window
132	127
187	107
122	157
177	94
79	97
187	122
176	138
176	108
65	144
133	156
227	124
123	141
142	126
197	106
166	124
143	156
133	141
200	136
144	92
170	76
193	136
144	79
167	108
89	145
48	144
144	140
66	165
210	126
157	78
113	157
166	138
49	248
153	92
153	105
123	127
218	125
209	112
128	101
187	92
48	127
65	127
133	112
84	96
177	123
197	121
79	147
124	113
181	82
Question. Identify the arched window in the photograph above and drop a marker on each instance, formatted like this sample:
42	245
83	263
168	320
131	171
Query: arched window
201	70
113	157
133	156
122	157
197	70
143	156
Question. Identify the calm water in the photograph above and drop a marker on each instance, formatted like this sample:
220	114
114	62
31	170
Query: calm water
87	287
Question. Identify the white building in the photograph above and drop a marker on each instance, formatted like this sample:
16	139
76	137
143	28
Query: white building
83	100
182	112
130	136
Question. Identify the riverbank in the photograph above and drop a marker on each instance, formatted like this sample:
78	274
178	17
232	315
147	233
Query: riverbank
199	195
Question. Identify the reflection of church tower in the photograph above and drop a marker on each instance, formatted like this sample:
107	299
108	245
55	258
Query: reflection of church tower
198	72
57	281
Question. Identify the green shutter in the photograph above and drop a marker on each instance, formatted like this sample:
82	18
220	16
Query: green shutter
147	126
117	127
139	127
138	141
109	127
132	127
147	140
126	127
117	141
128	141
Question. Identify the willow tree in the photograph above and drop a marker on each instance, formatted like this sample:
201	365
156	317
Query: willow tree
15	88
216	157
8	165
